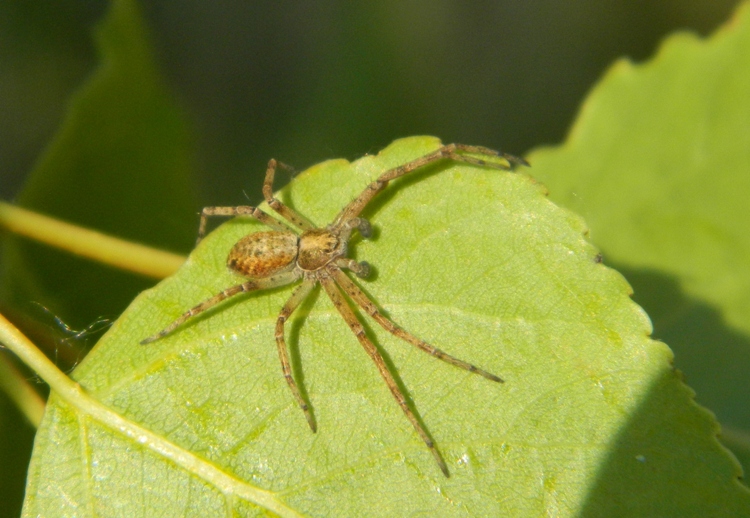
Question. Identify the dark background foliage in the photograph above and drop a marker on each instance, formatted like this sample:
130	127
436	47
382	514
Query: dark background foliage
313	80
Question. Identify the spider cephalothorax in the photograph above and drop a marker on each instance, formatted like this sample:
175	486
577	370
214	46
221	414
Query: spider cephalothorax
300	250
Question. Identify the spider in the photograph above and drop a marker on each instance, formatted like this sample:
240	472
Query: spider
300	250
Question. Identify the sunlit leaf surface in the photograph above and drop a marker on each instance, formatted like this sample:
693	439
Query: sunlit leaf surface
476	261
658	164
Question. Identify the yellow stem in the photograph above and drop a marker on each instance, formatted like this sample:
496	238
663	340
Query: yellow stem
14	340
20	391
75	396
89	243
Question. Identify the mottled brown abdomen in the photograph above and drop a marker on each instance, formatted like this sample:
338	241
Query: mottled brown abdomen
263	254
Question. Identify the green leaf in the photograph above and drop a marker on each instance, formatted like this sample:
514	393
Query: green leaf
476	261
658	164
121	164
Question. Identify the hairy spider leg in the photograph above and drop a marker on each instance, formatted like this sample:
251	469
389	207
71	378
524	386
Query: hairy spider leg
254	285
350	318
286	212
451	151
242	210
356	294
298	295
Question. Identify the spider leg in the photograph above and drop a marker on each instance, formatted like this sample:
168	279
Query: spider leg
349	317
513	160
361	270
361	299
242	210
287	213
253	285
299	294
450	151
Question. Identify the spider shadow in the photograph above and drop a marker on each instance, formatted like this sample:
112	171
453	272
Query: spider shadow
294	328
283	194
390	365
392	368
395	186
223	306
295	357
294	352
382	199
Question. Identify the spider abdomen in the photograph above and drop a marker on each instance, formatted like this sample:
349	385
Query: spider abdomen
263	254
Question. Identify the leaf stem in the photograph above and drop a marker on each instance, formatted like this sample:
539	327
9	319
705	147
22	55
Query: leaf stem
75	396
20	391
89	243
14	340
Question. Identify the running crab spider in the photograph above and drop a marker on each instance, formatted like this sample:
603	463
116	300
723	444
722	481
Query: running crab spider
299	250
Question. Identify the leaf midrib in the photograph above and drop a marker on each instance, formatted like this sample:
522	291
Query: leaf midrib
75	396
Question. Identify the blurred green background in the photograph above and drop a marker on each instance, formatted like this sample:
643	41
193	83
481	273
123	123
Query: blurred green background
304	82
307	81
